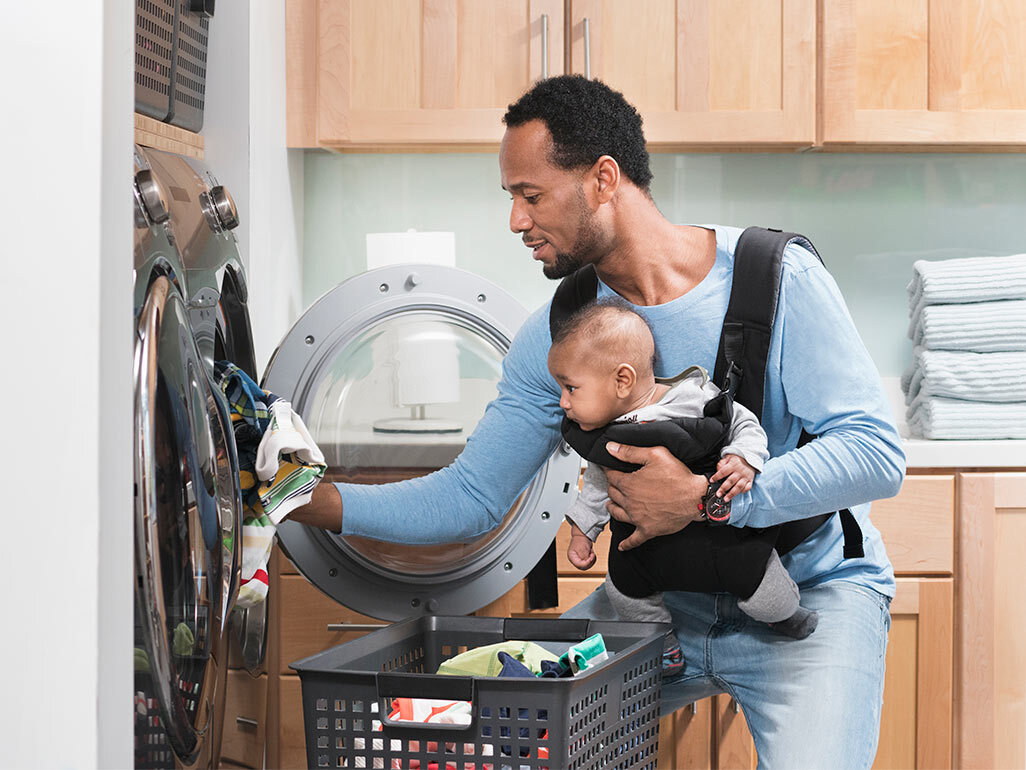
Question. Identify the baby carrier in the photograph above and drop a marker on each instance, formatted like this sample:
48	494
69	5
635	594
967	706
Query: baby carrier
740	360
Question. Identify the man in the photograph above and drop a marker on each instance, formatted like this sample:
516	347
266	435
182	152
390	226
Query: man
574	162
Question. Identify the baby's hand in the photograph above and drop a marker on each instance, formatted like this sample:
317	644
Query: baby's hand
737	474
580	552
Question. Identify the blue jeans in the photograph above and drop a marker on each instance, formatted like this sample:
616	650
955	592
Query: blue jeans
809	703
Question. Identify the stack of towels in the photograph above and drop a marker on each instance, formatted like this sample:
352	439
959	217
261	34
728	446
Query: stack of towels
968	324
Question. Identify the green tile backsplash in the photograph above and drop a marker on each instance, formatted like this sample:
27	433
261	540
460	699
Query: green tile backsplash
870	215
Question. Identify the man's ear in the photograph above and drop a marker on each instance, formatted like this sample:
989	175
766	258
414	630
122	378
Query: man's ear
625	379
606	173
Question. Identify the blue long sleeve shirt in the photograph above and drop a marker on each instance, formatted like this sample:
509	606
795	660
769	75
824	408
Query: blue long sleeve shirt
819	377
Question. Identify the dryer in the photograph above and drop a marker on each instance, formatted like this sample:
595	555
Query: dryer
390	371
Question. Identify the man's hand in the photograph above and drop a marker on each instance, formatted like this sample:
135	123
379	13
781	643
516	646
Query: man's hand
659	498
324	509
737	476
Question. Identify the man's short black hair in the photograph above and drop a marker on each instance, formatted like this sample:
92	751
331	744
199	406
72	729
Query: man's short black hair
587	119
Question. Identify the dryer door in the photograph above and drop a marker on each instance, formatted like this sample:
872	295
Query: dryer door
185	539
391	370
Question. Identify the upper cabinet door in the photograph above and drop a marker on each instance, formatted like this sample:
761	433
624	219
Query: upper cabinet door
929	72
390	73
705	72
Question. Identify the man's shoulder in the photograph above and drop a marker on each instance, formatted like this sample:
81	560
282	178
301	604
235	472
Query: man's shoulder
796	257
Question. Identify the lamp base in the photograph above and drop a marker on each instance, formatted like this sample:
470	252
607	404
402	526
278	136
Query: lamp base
414	425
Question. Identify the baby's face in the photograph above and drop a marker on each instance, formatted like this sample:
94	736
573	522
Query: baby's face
588	394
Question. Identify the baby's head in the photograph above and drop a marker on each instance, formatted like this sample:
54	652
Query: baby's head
602	357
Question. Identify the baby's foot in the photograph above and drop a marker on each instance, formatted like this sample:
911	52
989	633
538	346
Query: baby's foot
673	656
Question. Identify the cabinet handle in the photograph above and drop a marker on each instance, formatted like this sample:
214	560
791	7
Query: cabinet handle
356	626
587	48
545	46
736	706
247	722
693	707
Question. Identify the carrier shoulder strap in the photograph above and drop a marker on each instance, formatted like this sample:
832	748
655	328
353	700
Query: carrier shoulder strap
744	351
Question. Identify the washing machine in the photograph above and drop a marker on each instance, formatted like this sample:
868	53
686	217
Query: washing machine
187	499
202	218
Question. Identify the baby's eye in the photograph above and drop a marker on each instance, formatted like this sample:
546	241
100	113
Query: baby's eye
571	388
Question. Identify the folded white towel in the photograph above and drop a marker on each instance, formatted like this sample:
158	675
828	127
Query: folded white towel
999	377
934	417
971	279
984	327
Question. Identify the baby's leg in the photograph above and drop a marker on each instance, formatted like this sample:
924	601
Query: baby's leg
648	609
775	601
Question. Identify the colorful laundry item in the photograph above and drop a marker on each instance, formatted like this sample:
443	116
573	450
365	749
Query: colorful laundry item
484	661
279	466
586	654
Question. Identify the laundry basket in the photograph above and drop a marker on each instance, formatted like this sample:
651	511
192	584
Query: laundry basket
604	718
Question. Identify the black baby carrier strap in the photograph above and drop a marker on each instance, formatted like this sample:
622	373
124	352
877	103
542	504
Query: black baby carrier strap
744	350
744	345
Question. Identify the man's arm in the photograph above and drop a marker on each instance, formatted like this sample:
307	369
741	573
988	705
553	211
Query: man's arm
324	509
471	496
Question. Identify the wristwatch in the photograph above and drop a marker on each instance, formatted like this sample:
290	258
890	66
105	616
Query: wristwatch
713	508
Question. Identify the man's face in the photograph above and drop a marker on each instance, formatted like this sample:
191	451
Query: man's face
550	208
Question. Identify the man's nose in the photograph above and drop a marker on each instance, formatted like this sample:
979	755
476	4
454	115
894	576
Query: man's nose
519	221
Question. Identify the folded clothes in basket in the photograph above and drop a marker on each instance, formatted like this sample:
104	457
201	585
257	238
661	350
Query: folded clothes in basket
996	377
983	327
971	279
934	417
279	466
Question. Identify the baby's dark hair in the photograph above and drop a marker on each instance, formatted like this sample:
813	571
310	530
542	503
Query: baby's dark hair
609	323
587	119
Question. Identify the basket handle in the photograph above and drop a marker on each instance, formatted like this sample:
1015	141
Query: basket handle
547	629
434	686
440	687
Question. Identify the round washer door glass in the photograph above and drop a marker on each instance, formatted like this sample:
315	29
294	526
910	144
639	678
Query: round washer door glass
392	392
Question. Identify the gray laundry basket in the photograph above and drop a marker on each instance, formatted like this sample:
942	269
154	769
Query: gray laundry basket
603	719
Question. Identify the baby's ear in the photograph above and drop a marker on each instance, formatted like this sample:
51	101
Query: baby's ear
626	377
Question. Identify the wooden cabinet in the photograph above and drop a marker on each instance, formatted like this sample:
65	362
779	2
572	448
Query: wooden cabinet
392	74
990	651
245	722
709	73
934	72
430	73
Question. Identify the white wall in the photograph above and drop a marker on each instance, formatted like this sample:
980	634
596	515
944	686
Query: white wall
244	136
66	389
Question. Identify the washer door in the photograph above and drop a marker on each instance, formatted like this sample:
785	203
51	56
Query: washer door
185	540
391	370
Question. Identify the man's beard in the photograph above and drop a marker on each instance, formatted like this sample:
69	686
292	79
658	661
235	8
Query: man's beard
585	248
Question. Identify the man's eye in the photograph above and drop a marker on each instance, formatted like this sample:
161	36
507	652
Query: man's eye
532	199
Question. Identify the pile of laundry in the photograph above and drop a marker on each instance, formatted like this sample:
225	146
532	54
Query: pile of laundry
279	466
967	379
518	659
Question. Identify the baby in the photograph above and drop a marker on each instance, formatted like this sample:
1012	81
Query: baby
602	357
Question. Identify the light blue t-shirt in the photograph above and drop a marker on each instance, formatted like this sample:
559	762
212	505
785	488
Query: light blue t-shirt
819	376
